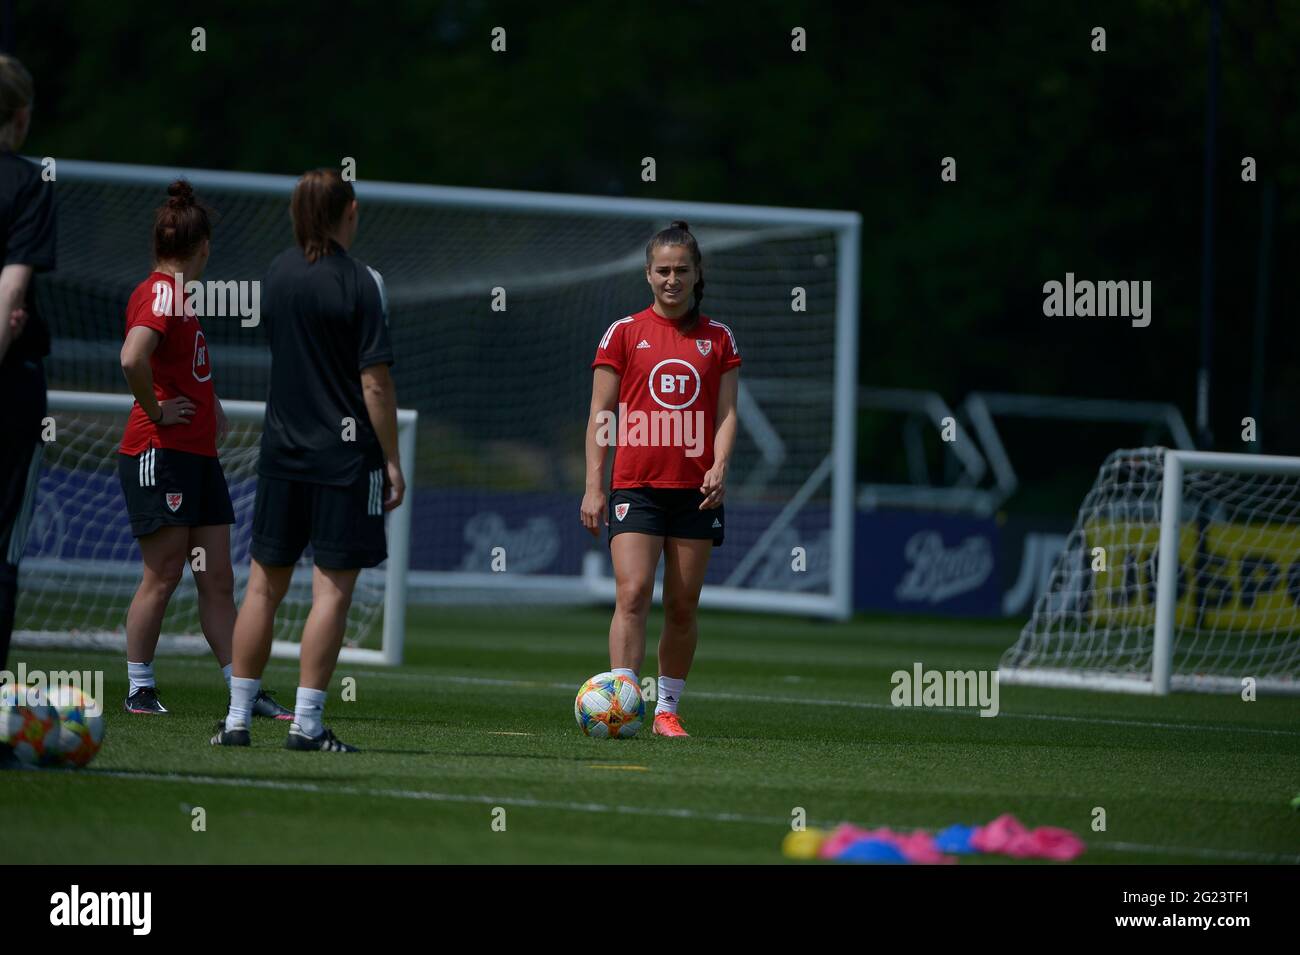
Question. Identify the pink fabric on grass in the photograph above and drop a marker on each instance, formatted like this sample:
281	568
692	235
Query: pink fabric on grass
841	837
918	846
1006	836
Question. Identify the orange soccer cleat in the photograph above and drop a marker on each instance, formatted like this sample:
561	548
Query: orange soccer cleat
667	724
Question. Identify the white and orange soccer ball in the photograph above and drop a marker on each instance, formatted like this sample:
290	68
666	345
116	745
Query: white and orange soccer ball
28	723
609	706
80	728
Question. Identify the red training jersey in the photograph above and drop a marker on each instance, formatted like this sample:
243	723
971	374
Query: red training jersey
181	365
668	397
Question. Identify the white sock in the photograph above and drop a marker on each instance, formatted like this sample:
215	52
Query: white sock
624	671
670	694
227	672
242	691
308	710
140	675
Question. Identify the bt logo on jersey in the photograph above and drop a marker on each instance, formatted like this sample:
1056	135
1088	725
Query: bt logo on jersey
669	383
202	368
674	384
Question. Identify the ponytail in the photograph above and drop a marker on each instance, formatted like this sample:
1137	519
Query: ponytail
319	201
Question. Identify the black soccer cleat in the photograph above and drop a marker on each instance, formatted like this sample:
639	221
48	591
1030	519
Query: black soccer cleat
264	704
145	700
235	737
326	742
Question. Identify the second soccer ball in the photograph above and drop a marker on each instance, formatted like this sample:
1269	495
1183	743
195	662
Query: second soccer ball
80	729
28	724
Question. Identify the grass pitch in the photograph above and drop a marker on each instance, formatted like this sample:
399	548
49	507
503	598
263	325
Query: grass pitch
784	714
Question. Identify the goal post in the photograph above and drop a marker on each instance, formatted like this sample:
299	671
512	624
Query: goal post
82	565
1114	618
496	300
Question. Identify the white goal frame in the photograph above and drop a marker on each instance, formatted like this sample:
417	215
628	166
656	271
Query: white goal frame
1171	500
838	467
1162	680
394	571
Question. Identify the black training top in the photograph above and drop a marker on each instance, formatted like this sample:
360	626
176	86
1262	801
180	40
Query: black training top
26	238
326	320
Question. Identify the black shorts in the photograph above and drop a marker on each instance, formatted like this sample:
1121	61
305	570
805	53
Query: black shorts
344	525
664	512
165	487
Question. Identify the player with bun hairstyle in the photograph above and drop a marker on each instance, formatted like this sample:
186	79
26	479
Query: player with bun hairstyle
176	493
677	369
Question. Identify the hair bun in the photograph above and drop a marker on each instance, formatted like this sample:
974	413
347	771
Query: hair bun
679	224
181	193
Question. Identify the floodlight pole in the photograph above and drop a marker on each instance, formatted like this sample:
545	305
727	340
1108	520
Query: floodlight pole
1204	436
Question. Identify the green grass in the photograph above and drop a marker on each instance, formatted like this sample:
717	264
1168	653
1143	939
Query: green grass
784	714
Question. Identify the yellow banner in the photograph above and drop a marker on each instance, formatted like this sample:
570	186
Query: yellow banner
1250	580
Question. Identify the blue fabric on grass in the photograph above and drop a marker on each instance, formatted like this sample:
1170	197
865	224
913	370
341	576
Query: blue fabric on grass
871	850
956	838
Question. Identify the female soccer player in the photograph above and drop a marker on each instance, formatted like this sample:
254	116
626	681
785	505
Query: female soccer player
175	490
672	373
26	247
329	466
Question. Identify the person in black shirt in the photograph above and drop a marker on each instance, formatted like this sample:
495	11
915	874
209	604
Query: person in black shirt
329	465
27	247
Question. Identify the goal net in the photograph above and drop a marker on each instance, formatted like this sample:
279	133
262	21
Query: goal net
496	302
1114	619
81	565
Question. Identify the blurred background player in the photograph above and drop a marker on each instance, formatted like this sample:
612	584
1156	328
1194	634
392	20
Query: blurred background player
674	372
175	489
329	465
27	242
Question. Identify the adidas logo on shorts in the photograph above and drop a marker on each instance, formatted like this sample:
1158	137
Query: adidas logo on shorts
717	523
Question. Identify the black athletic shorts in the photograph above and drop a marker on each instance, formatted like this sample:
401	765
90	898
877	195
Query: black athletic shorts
664	512
344	525
165	487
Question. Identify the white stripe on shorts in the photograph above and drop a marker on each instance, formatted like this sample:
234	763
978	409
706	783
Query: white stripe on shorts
23	523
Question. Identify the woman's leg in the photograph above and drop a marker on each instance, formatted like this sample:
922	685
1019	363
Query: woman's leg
164	564
684	564
322	634
255	623
635	558
216	588
251	640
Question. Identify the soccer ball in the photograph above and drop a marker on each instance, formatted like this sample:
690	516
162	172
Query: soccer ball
79	734
608	706
27	723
